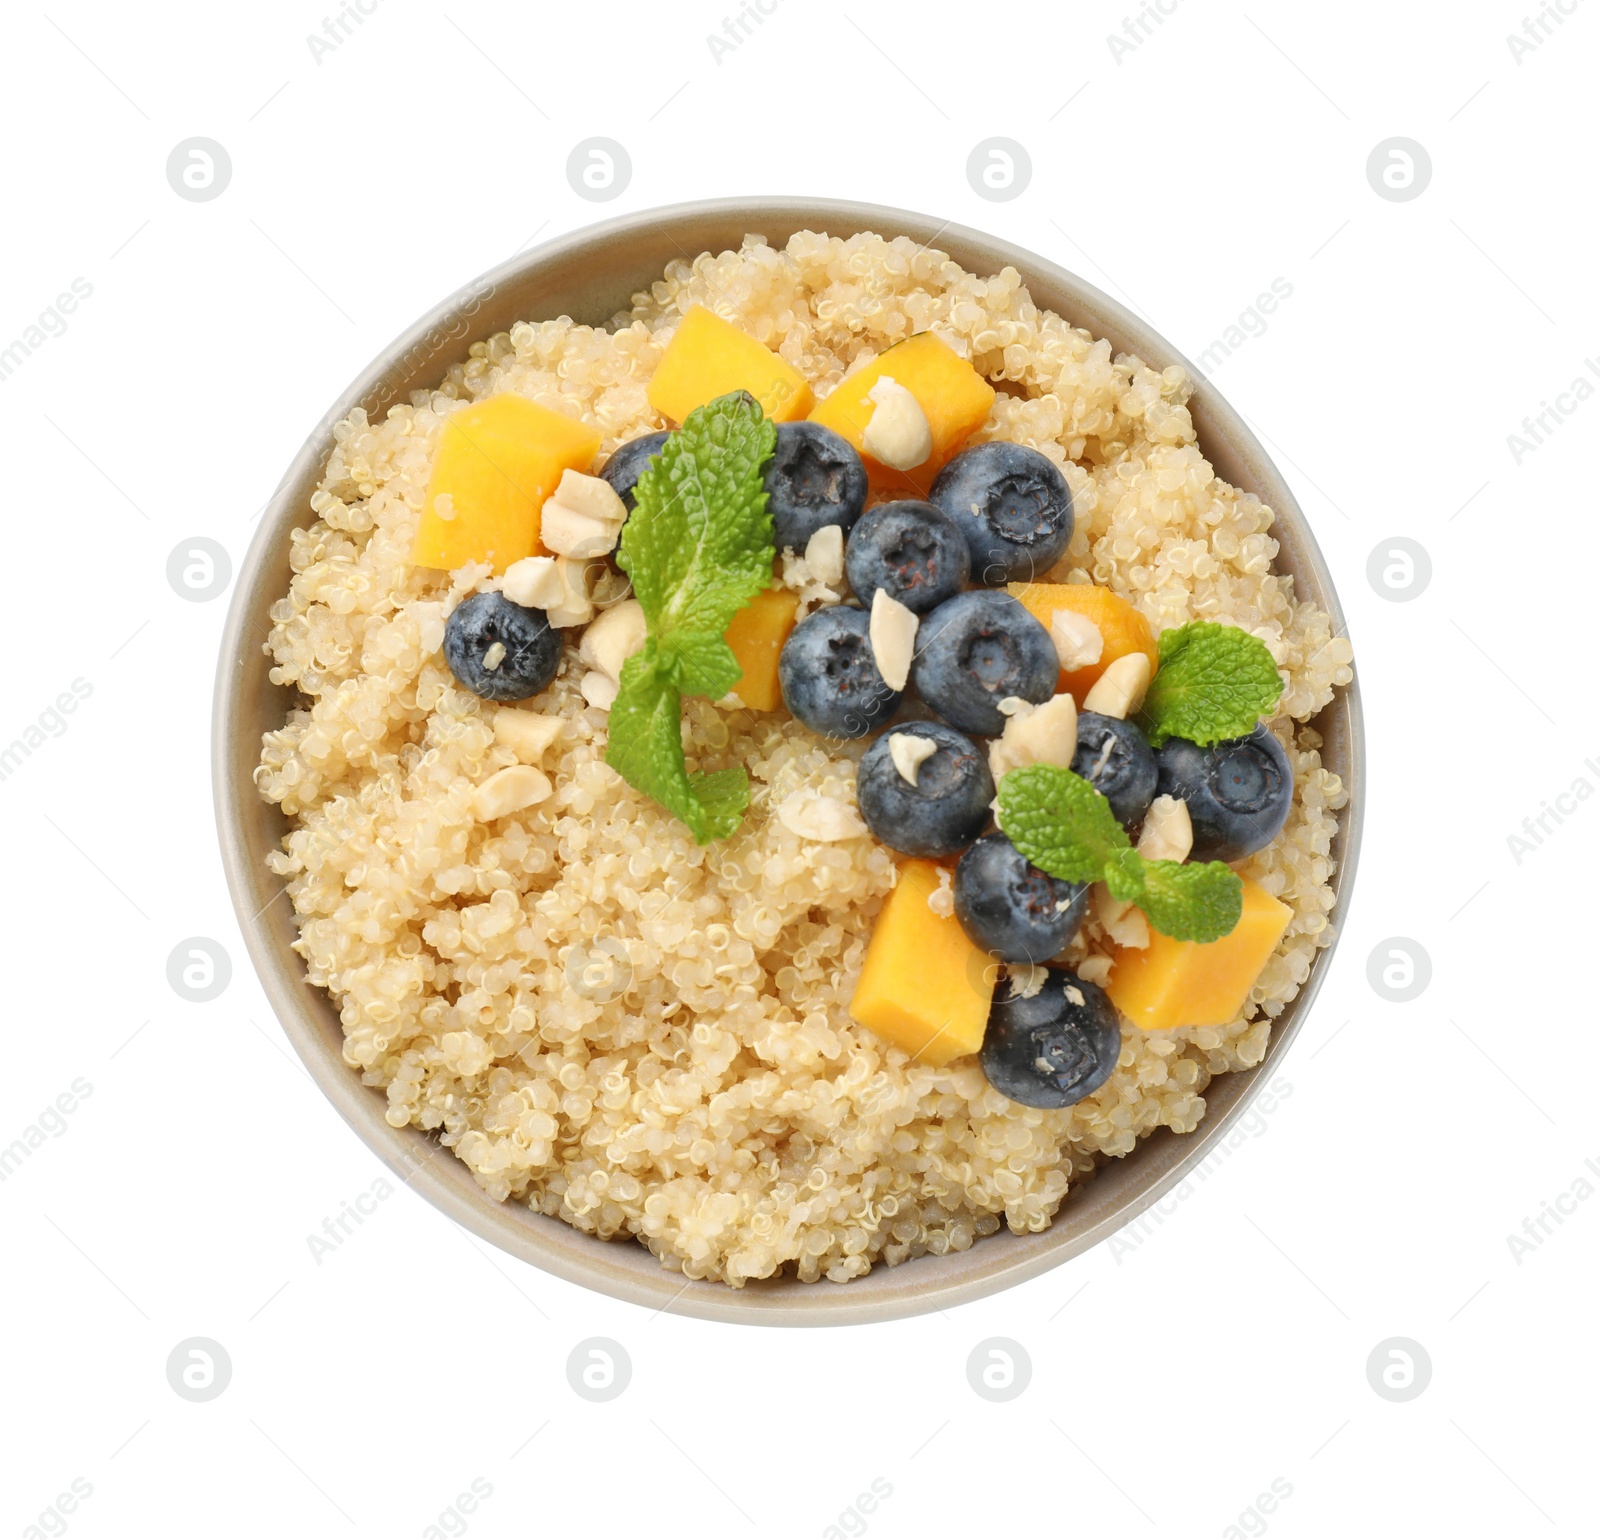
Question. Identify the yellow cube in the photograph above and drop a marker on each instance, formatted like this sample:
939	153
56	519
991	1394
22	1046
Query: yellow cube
707	357
1122	628
952	394
1199	984
498	460
924	986
757	635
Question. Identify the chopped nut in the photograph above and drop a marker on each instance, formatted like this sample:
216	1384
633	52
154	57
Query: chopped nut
897	434
1167	834
1122	923
813	816
1074	994
1119	692
600	690
574	606
494	656
569	533
533	581
613	637
908	750
509	791
892	630
1036	735
1095	970
1026	979
526	733
942	901
1077	638
593	495
825	555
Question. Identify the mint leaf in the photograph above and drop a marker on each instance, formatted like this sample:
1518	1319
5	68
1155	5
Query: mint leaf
698	548
1191	902
1214	682
1060	822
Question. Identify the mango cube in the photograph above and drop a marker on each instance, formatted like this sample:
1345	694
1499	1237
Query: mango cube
708	357
953	395
498	460
1199	984
924	986
757	635
1122	628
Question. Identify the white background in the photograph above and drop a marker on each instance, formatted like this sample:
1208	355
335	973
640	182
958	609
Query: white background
1172	1381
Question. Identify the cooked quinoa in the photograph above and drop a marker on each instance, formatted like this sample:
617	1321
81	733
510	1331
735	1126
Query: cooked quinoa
723	1108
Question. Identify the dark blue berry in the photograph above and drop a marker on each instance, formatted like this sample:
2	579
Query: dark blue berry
947	808
1010	908
974	651
1014	507
910	549
529	647
628	462
1054	1049
814	478
1238	792
829	678
1114	758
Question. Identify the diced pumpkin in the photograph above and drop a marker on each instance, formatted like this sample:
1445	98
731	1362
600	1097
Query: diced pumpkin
1199	984
924	986
708	357
757	635
497	461
953	395
1122	628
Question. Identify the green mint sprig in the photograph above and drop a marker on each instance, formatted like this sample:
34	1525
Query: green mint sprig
698	548
1066	828
1214	682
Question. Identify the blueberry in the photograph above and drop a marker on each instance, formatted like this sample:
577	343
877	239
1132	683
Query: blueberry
1054	1049
912	550
974	651
526	647
1010	908
1114	758
829	678
1238	791
628	462
1014	507
814	478
947	808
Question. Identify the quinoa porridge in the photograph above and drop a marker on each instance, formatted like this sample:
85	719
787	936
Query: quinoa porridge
650	1036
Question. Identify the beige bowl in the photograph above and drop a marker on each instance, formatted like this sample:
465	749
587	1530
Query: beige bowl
589	276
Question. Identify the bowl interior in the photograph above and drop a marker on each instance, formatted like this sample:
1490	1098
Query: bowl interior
590	276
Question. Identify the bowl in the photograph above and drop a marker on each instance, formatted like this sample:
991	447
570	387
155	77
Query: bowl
590	275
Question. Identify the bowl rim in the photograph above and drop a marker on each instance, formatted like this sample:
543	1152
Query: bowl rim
912	1288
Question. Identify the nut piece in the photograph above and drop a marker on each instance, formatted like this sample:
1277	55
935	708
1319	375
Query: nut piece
1095	970
1077	638
570	533
533	582
892	630
526	733
1167	834
613	637
942	901
1122	923
591	495
1119	692
509	791
825	555
1039	735
813	816
908	751
600	690
494	657
897	434
1027	979
574	607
